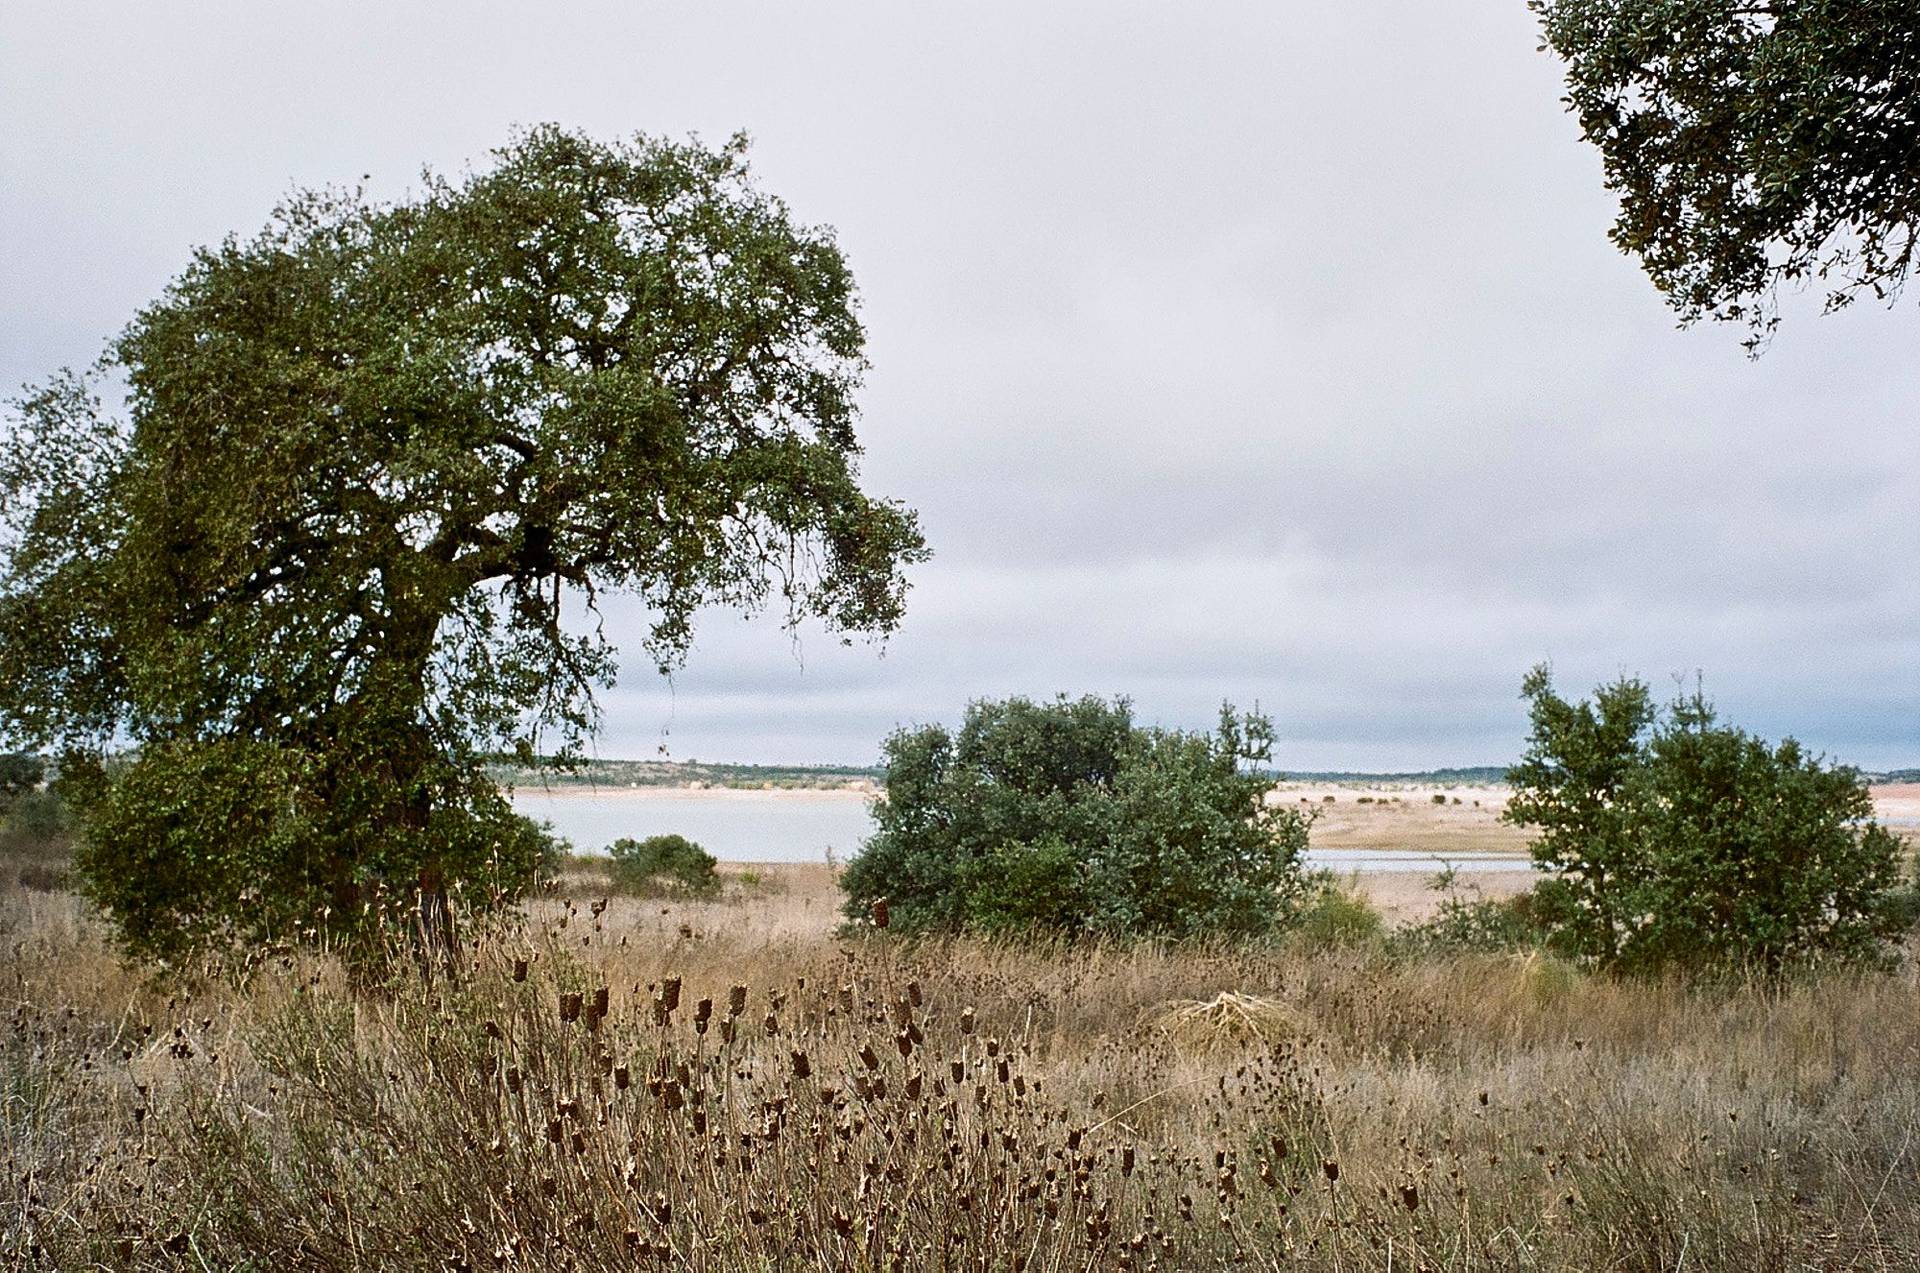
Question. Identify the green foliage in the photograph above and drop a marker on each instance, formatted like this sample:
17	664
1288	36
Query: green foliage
1480	924
1016	888
1067	817
369	463
20	774
1570	786
196	845
37	816
1333	915
1752	146
1679	840
670	861
1903	905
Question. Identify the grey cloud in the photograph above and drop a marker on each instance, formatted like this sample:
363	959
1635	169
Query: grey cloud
1238	350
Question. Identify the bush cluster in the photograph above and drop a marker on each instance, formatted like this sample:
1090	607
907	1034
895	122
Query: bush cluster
663	863
1675	839
1065	817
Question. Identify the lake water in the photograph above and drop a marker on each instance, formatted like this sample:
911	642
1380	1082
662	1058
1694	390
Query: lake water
753	826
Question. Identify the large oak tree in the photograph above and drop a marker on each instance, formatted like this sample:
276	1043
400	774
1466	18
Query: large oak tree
373	468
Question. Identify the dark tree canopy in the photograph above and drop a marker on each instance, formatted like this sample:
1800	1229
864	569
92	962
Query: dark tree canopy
1065	817
1752	145
377	462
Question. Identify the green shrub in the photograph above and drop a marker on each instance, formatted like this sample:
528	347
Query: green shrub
20	774
196	845
1903	906
1480	924
37	816
1679	840
35	843
1335	915
1066	817
1025	888
663	863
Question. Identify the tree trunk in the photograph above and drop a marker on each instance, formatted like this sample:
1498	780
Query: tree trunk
391	756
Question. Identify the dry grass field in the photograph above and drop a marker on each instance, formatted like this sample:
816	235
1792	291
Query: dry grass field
728	1085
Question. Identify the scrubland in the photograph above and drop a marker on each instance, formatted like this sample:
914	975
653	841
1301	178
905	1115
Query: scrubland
730	1085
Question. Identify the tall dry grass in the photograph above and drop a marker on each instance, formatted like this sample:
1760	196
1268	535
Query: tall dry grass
729	1086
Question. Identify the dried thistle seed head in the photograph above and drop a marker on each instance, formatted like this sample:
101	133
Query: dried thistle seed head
670	993
1410	1196
570	1006
519	970
736	1000
600	1002
801	1066
1332	1169
882	914
966	1021
913	993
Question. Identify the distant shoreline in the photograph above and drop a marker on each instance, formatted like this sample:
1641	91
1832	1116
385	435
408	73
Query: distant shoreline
1896	805
614	791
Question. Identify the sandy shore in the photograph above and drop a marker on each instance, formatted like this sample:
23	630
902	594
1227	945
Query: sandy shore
1897	800
1464	819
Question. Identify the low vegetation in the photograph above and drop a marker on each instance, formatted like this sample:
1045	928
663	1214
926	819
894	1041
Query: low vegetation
729	1086
663	864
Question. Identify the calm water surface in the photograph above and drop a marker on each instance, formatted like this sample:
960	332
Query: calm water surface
772	827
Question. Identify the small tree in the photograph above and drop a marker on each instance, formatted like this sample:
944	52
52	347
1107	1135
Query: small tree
1675	839
1569	785
1760	852
1067	817
672	861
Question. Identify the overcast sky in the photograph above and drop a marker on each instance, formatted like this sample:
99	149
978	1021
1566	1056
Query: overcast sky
1272	352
